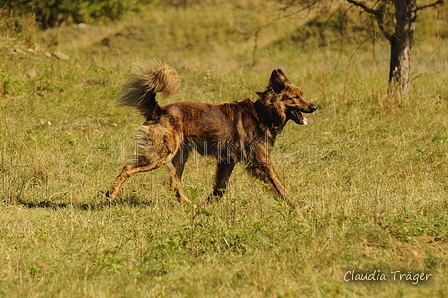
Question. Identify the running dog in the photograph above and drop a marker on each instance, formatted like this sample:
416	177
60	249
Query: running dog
232	132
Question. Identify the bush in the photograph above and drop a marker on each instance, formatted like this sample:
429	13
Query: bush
51	13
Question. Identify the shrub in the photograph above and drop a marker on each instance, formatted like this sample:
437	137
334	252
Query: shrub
51	13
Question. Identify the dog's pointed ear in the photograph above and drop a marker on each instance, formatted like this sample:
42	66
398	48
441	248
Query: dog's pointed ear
278	80
260	94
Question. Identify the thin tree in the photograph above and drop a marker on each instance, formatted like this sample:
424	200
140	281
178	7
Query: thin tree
404	15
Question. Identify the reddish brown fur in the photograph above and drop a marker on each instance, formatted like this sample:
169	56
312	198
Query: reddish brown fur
231	132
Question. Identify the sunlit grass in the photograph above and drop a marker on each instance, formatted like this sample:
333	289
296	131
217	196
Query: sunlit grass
372	169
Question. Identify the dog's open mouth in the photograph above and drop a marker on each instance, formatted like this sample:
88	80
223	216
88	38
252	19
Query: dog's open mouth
297	117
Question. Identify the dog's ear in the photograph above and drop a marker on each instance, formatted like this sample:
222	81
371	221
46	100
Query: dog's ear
278	80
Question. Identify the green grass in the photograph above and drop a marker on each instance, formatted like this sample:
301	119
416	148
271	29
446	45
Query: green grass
372	169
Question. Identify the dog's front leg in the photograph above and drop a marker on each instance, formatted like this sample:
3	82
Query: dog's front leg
223	171
266	173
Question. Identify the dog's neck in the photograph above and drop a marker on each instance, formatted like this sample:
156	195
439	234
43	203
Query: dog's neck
265	118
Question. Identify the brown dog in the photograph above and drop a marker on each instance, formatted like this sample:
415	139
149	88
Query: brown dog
232	132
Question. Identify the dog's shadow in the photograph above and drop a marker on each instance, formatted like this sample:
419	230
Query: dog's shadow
47	204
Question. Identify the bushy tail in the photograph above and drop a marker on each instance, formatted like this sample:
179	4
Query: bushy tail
149	78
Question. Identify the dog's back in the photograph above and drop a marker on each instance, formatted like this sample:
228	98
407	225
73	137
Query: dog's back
228	131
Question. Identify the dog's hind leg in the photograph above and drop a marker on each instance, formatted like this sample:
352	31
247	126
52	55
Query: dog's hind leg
154	158
223	172
176	169
127	172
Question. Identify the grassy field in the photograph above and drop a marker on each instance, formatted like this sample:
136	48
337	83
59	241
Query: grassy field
373	169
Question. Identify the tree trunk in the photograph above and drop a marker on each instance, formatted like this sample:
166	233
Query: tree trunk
401	43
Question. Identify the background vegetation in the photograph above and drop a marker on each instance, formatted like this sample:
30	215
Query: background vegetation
373	170
55	12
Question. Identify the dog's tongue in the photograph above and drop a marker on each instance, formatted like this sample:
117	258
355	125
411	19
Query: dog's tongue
300	117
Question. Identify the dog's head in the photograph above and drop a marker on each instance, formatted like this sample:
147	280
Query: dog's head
285	100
